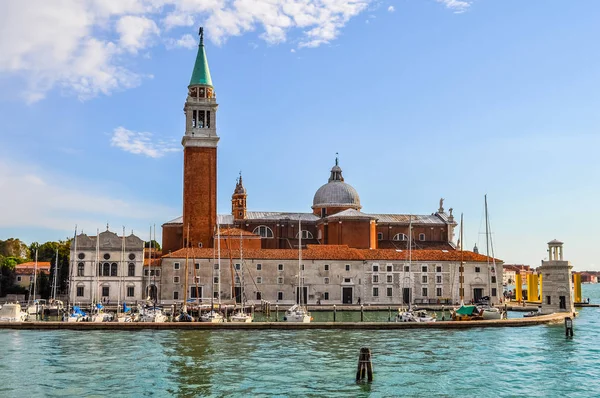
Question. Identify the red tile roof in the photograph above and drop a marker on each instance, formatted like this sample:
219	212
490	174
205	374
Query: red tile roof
336	252
29	267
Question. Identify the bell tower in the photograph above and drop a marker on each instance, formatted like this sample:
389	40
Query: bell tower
200	155
238	201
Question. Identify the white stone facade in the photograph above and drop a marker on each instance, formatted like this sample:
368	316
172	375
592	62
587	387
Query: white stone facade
557	281
110	273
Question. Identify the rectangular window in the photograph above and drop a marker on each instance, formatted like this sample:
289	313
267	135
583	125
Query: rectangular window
375	278
390	292
461	269
375	292
379	236
216	279
259	279
175	279
279	295
424	292
238	266
216	295
19	278
494	292
461	279
105	291
477	269
280	280
326	267
79	291
197	265
438	279
259	267
175	265
130	291
157	272
407	268
197	279
146	272
348	280
390	278
389	268
326	281
175	295
438	291
376	268
237	279
548	300
438	269
151	272
302	267
194	292
424	268
216	266
562	302
424	279
279	267
259	295
347	267
461	292
326	296
493	279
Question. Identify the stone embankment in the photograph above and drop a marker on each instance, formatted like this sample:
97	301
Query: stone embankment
515	322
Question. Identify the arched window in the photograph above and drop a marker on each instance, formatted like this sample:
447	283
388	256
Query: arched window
106	268
305	234
421	236
80	268
263	231
131	269
379	235
400	237
113	269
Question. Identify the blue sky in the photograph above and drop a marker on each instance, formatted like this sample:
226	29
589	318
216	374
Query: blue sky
421	98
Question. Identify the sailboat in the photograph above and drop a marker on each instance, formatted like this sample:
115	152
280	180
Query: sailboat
465	312
490	312
241	315
299	312
55	307
37	306
212	315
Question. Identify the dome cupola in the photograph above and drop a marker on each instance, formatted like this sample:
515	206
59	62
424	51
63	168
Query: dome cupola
336	195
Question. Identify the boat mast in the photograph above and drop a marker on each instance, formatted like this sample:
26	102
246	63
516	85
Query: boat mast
300	273
493	270
185	289
97	290
54	279
35	273
487	246
462	264
152	268
409	251
72	266
121	272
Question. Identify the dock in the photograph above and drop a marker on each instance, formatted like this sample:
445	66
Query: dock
516	322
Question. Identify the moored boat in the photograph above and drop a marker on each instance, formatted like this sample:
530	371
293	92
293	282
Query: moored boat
467	313
12	312
414	316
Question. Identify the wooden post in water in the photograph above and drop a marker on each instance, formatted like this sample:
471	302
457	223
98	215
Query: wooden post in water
276	312
365	367
389	313
334	312
361	313
568	327
443	313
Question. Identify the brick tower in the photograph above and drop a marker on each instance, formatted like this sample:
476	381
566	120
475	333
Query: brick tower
238	201
200	156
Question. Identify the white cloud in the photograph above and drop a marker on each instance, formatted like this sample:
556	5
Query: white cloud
85	46
185	41
141	143
459	6
42	199
391	9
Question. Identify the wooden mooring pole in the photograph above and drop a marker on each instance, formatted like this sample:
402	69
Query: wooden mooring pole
361	313
276	312
365	367
568	327
334	312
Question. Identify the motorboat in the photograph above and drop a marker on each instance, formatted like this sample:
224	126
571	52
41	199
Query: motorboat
12	313
212	316
467	313
414	316
241	317
530	314
493	313
37	308
101	316
77	315
184	317
297	313
54	308
152	314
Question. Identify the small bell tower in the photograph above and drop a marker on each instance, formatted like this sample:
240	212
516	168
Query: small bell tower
200	155
238	200
557	281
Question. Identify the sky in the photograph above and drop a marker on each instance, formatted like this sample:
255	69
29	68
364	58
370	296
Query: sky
422	99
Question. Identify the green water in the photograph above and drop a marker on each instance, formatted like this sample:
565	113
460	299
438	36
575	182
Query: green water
532	361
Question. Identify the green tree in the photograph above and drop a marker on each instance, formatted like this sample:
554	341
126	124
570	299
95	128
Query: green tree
47	252
155	245
13	248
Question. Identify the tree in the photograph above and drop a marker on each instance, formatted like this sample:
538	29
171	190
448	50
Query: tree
47	252
7	273
13	248
155	245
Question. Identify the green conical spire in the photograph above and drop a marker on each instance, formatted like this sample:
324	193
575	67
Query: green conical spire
201	74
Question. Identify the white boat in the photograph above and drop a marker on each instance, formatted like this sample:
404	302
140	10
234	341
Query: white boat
414	316
77	315
12	313
241	317
492	313
212	316
54	307
37	308
152	314
297	313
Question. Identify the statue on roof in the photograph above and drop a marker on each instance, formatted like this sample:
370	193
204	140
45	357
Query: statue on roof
441	209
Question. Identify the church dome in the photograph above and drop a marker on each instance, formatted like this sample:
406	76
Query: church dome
336	193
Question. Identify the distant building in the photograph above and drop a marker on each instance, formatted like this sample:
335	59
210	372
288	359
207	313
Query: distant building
557	281
25	272
106	268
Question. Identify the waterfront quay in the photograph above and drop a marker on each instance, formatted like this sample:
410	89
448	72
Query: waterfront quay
514	322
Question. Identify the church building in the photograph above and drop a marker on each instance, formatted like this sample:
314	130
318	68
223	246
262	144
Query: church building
350	254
